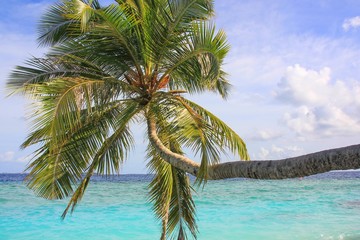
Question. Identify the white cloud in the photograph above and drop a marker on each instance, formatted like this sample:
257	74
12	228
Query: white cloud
302	120
276	152
7	156
300	85
351	23
322	107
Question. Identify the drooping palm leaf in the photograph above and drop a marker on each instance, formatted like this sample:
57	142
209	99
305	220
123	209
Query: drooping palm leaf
62	165
182	207
225	136
160	190
109	157
170	191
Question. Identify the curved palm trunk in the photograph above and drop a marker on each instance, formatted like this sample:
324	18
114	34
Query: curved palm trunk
314	163
176	160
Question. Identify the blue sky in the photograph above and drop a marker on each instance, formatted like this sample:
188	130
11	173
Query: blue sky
294	65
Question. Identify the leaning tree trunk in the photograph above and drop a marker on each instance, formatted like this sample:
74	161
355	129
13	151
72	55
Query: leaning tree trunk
334	159
319	162
175	159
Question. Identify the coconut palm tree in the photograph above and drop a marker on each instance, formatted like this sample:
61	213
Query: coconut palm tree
110	68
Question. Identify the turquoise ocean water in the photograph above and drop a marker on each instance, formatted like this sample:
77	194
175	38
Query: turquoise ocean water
325	206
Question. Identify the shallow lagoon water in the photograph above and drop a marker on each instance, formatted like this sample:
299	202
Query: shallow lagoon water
325	206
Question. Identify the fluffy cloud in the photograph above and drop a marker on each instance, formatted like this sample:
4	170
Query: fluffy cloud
302	120
300	85
276	152
322	107
351	23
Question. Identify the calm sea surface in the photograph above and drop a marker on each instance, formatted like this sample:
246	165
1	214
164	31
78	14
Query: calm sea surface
325	206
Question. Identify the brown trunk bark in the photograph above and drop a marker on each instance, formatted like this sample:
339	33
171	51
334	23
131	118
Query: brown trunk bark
334	159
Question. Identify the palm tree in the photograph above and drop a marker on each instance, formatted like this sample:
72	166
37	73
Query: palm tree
128	63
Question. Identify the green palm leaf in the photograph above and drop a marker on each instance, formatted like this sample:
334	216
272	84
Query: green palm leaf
66	20
87	149
170	191
226	137
195	65
182	207
109	156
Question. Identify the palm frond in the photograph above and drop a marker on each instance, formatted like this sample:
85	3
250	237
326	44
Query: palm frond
170	190
165	23
55	169
161	188
170	193
109	156
82	11
224	135
60	105
197	135
195	65
41	70
54	173
65	20
182	207
87	22
117	28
